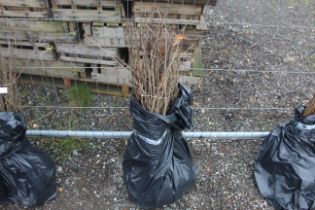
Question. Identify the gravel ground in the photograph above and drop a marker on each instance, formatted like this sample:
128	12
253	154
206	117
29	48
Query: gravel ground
92	179
245	36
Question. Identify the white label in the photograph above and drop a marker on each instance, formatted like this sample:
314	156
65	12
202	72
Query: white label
3	90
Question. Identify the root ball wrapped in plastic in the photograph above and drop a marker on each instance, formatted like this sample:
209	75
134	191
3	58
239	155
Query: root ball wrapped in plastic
285	166
27	175
157	164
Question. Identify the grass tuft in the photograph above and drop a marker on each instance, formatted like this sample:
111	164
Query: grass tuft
80	95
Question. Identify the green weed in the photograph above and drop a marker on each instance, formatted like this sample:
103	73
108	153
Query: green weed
61	149
80	95
197	63
312	62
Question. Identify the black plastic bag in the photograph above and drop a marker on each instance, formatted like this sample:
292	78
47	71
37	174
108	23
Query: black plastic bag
157	164
27	175
285	166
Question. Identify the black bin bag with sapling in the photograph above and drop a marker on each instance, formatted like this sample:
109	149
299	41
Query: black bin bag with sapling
27	175
285	166
157	165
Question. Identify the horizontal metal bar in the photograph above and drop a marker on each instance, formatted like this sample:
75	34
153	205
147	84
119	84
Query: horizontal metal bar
126	134
194	108
227	135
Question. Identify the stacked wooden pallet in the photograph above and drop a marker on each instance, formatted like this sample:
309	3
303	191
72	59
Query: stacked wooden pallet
188	15
101	46
31	40
32	43
24	8
85	41
169	13
87	10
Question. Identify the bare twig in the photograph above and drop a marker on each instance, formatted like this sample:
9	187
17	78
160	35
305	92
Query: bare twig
155	54
8	79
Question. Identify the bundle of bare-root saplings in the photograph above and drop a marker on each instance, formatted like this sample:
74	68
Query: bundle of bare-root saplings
27	175
157	164
285	166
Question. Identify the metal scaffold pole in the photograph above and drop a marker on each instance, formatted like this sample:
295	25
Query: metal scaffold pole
125	134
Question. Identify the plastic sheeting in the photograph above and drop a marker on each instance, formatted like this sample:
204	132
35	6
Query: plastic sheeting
27	175
285	166
157	164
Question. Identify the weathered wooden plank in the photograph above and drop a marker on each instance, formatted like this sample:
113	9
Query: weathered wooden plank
202	25
56	69
103	3
38	26
27	54
117	32
105	36
185	65
23	3
108	24
80	49
123	76
105	42
109	75
88	60
54	31
56	73
192	2
167	21
87	29
36	36
86	15
33	14
167	8
26	44
177	14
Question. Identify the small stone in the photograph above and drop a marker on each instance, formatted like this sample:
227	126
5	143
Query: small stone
59	169
203	111
75	152
290	59
96	195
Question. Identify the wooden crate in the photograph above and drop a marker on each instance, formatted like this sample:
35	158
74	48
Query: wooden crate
186	62
104	35
192	39
27	50
54	69
87	10
24	8
120	78
108	80
37	31
117	79
169	13
80	53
